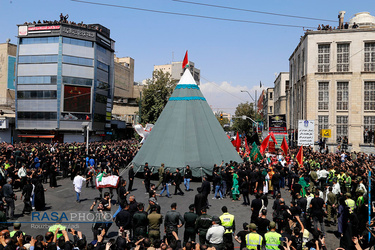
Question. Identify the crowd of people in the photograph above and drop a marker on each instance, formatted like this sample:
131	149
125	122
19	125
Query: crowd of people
329	189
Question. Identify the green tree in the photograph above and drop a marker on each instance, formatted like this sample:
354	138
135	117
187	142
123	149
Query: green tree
155	96
240	125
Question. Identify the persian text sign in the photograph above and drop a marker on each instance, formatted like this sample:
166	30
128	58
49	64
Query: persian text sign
306	132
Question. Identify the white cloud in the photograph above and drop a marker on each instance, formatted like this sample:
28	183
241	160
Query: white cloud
225	96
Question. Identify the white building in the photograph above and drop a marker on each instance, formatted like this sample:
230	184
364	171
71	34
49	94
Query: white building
280	85
332	81
176	70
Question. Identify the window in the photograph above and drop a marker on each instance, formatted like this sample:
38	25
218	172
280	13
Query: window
368	133
78	60
323	98
271	95
37	115
323	57
270	109
37	80
36	40
103	66
369	57
342	127
78	42
37	94
342	95
76	80
38	59
322	122
102	85
369	96
343	57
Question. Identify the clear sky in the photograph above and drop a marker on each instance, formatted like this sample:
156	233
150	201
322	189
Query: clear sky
231	55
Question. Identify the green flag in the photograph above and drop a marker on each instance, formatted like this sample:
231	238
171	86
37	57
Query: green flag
255	154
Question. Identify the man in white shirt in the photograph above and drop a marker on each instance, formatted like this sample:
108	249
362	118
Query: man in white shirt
215	234
323	175
78	183
336	187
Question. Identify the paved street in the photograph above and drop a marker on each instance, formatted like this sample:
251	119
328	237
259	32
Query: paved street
62	198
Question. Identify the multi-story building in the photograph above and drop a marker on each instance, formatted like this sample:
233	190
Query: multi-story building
332	81
64	81
176	70
268	106
280	84
8	53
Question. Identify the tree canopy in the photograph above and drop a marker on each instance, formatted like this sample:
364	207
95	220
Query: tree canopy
155	96
240	125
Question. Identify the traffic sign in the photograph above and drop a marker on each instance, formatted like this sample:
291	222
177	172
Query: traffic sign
326	133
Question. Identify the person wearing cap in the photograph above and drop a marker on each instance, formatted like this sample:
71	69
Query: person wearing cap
215	234
349	202
202	224
228	222
253	239
190	218
155	219
153	203
272	238
177	182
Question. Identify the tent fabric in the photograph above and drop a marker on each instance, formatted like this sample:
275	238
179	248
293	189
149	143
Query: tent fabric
186	133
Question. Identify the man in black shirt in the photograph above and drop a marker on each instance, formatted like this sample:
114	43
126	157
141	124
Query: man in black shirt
199	201
173	220
123	220
131	178
140	222
177	182
256	205
9	198
147	175
276	183
262	222
241	236
317	204
190	218
187	178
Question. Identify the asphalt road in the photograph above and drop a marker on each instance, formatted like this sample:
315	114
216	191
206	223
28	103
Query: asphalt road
62	200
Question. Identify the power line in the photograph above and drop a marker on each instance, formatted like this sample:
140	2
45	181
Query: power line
254	11
192	15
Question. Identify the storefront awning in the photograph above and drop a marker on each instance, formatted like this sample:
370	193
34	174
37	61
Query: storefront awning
37	136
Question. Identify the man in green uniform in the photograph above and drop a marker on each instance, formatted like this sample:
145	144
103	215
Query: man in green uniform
228	222
348	182
140	222
190	218
202	224
161	174
331	206
253	239
272	238
154	221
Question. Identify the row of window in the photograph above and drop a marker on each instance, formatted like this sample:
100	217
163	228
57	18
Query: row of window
37	94
38	59
37	40
78	60
37	79
52	80
342	124
342	96
103	66
37	115
78	42
343	56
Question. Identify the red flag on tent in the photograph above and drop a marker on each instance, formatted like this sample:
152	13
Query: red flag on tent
284	146
273	138
247	146
299	156
186	60
264	144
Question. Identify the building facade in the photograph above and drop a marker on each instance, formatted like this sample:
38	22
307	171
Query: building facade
176	70
280	85
332	81
268	106
64	79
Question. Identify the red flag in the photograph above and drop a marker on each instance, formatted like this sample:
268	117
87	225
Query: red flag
264	144
247	146
186	60
284	146
238	142
273	138
299	156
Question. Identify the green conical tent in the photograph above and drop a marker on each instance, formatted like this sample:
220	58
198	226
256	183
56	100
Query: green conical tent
186	133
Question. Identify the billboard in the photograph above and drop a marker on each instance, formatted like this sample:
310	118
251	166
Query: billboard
306	132
77	99
277	123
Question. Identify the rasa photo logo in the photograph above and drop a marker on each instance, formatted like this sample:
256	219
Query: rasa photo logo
71	217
